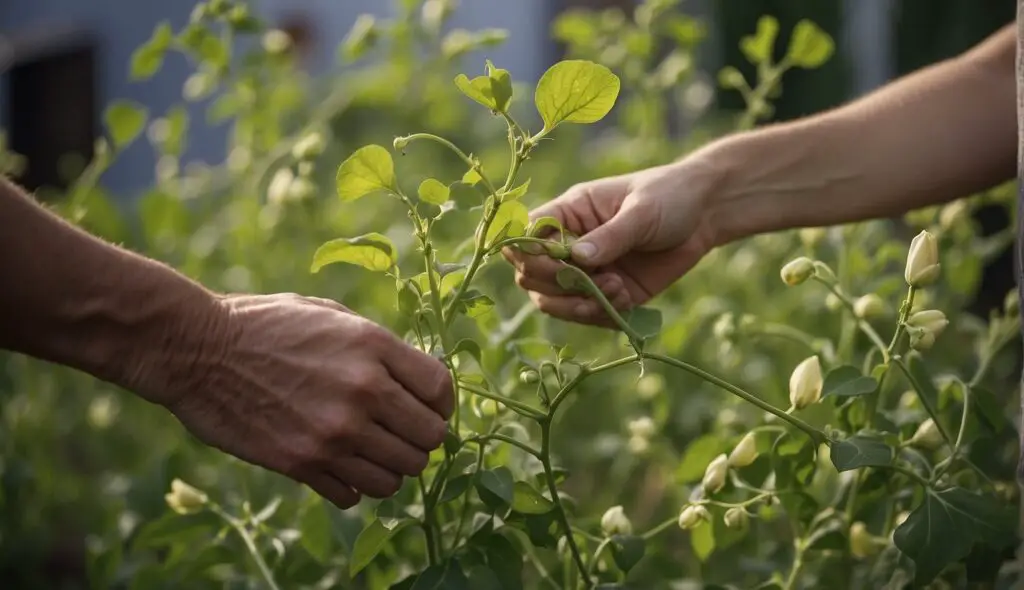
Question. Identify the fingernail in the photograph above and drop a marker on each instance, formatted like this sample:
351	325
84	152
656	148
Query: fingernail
583	310
584	250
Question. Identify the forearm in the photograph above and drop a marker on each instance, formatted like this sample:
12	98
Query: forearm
70	298
941	133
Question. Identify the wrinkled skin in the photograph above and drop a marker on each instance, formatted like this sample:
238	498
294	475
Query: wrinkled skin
309	389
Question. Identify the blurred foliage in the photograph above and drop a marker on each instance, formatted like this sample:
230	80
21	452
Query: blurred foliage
86	467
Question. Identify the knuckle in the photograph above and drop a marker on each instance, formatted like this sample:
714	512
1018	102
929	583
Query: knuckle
303	453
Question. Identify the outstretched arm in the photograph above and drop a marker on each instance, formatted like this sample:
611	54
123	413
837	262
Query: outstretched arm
299	385
71	298
935	135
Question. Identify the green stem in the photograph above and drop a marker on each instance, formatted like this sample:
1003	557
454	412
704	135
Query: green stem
583	374
911	474
458	152
549	476
944	466
590	288
482	440
932	412
864	326
428	525
592	569
817	436
660	528
798	564
250	544
465	500
908	303
518	406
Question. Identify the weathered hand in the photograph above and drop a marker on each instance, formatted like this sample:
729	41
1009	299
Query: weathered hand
639	233
305	387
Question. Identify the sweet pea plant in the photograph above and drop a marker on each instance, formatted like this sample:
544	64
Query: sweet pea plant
853	439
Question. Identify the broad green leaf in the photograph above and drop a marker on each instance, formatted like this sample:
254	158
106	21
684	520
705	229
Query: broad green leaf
793	460
482	577
455	488
627	551
759	46
646	321
510	221
475	304
372	251
539	226
575	91
847	381
471	177
442	576
702	539
988	411
478	89
315	528
527	500
501	86
149	57
469	346
496	487
517	192
730	78
408	298
369	169
860	451
809	46
947	525
125	120
434	192
505	559
372	539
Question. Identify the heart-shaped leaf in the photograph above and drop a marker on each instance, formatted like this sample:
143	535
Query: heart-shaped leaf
575	91
369	169
372	251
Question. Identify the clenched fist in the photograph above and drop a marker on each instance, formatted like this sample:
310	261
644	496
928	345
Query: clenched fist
307	388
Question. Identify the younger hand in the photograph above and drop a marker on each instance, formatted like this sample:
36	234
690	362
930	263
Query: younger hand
639	233
306	388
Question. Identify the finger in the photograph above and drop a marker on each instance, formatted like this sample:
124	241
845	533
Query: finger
575	309
540	266
407	417
609	283
366	477
391	453
422	375
610	241
336	491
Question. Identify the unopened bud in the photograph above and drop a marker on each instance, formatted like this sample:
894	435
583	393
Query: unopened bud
921	339
615	522
638	445
715	474
736	518
797	271
952	213
922	261
643	427
862	543
557	250
309	147
693	516
401	143
745	451
276	42
928	436
931	320
185	499
301	188
868	306
529	376
805	383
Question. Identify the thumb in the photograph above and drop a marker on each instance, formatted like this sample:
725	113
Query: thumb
608	242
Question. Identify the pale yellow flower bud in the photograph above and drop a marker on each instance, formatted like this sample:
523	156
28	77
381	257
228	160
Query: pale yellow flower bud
693	516
642	427
862	543
650	385
276	42
805	383
928	436
922	261
797	271
715	474
930	320
744	452
736	518
185	499
615	522
868	306
309	147
638	445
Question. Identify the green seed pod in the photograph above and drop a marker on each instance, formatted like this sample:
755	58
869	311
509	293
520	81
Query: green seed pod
557	250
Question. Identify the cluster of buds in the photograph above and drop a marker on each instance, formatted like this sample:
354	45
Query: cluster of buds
924	327
640	432
615	522
805	383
